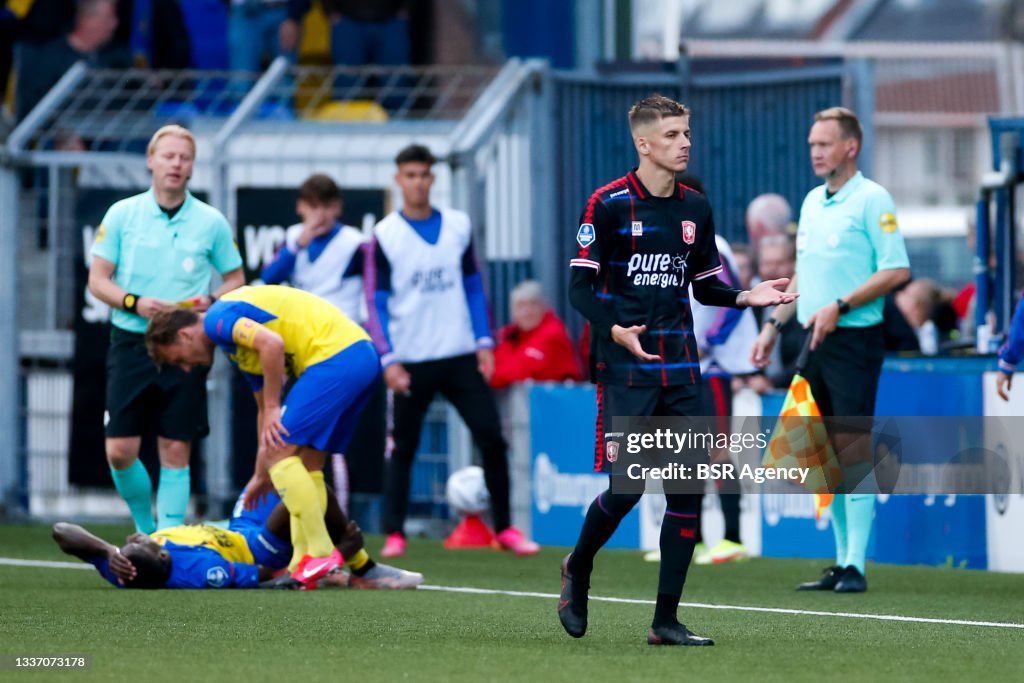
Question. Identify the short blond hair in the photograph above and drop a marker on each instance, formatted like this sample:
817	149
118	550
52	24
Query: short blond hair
849	124
172	129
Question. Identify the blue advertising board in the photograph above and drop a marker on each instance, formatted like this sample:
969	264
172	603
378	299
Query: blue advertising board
562	420
908	529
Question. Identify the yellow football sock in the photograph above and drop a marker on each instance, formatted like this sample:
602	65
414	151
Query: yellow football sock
296	488
321	489
359	560
299	545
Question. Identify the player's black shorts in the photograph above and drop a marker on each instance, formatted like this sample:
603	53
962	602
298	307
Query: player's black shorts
141	396
616	400
716	401
843	373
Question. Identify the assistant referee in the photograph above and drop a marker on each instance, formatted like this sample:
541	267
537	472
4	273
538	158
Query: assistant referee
153	250
849	255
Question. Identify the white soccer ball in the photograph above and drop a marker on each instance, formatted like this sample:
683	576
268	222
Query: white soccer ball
467	492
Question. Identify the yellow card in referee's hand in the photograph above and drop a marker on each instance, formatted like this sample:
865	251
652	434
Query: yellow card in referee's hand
190	303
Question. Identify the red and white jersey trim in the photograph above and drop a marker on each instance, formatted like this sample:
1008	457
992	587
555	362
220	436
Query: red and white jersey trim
707	273
587	263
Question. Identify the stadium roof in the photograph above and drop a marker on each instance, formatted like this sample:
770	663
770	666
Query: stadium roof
933	20
881	20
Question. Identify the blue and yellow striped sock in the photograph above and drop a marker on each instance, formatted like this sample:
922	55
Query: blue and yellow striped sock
137	490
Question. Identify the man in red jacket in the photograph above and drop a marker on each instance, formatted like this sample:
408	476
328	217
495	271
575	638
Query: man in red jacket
535	345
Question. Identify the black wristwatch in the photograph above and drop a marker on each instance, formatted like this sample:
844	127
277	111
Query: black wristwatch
844	306
776	323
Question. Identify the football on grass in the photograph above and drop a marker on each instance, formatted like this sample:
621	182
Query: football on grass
466	491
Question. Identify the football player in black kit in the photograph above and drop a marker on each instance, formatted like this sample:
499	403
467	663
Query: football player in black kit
642	240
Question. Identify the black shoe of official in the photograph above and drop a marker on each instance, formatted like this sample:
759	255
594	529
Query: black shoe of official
851	581
572	603
826	583
675	634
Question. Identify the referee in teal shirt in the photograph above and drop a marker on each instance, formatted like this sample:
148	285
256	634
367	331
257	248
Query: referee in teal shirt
849	255
152	251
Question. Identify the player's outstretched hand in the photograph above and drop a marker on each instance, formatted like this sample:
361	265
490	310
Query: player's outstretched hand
771	293
120	566
1004	383
629	337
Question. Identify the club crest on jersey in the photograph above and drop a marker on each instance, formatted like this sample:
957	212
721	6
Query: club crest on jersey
611	451
638	229
585	236
216	577
689	232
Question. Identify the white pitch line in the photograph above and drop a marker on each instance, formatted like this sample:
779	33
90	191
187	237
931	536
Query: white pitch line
46	564
738	608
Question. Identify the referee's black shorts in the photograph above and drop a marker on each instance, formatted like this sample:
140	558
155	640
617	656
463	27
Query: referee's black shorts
617	400
140	395
843	373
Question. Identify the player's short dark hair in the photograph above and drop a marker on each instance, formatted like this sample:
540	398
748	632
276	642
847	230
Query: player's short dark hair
319	190
849	124
151	571
420	154
163	328
654	108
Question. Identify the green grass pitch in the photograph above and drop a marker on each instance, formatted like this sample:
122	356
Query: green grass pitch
426	635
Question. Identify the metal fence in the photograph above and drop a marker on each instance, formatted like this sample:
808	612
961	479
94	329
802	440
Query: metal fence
83	148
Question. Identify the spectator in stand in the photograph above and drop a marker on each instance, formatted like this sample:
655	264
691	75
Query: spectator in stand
745	269
43	20
777	258
907	317
767	214
153	33
535	345
41	65
361	32
258	29
9	18
365	33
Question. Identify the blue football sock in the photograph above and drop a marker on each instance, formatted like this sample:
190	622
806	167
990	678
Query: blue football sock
172	497
838	508
135	487
860	515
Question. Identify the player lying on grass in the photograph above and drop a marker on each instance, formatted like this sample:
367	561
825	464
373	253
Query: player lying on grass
273	333
251	549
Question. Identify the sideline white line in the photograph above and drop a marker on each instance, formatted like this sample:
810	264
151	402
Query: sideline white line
46	564
738	608
43	563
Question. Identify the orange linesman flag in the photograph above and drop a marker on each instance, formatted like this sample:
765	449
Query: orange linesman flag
801	440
